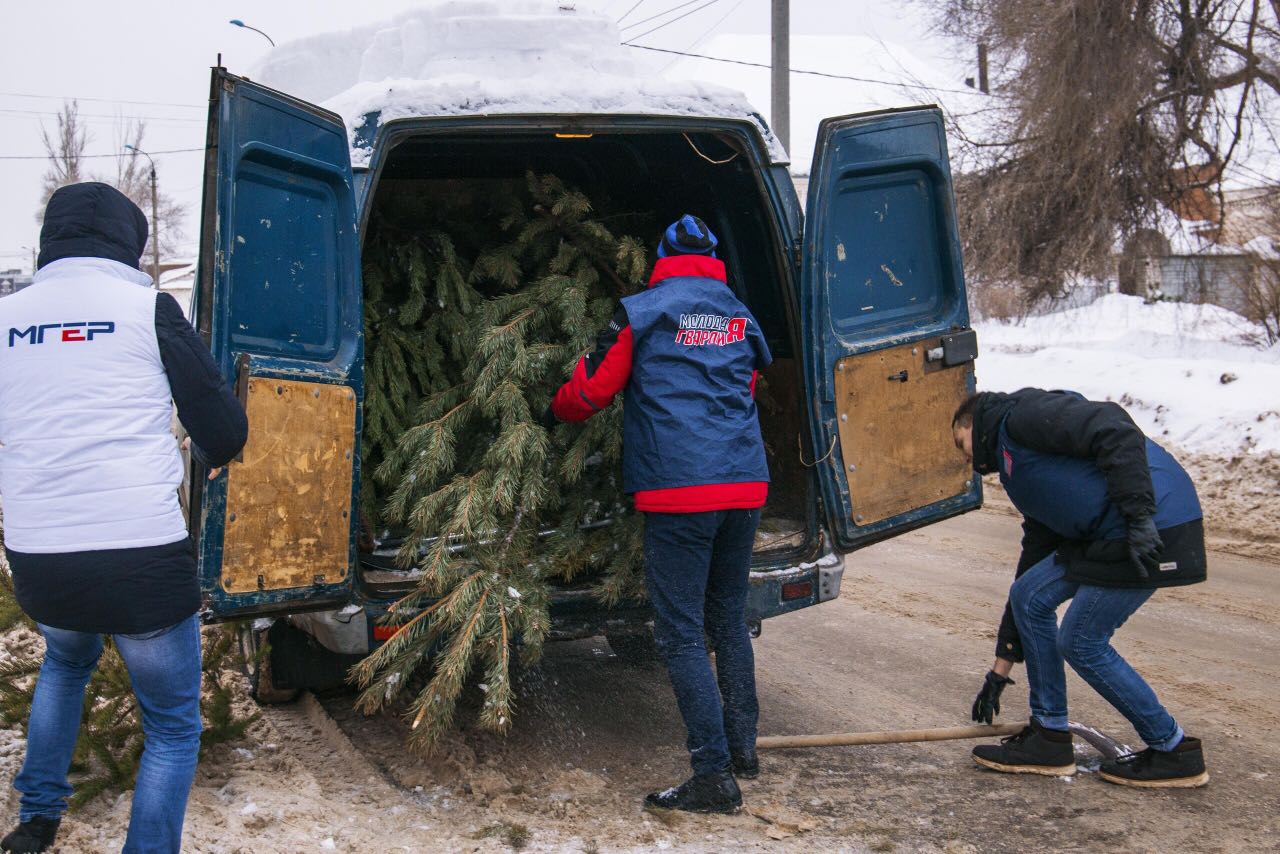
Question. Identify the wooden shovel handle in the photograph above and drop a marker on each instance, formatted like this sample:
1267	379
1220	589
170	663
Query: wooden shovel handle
898	736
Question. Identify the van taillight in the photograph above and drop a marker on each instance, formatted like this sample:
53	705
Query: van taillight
382	633
797	590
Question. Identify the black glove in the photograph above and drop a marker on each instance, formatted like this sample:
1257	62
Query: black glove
548	419
987	703
1144	545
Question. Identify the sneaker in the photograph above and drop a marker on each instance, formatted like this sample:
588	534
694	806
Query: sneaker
1180	768
745	766
31	836
1035	750
716	792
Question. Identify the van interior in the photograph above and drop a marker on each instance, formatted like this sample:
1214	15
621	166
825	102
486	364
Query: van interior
639	182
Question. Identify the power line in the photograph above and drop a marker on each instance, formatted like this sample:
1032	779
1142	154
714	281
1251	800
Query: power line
104	100
103	116
812	73
629	11
674	20
735	7
659	15
89	156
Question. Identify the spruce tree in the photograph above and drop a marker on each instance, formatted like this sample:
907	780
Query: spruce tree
492	506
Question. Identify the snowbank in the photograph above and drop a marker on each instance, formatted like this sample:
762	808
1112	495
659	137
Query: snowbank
1191	376
477	57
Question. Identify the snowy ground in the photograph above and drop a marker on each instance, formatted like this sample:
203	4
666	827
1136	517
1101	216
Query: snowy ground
1198	379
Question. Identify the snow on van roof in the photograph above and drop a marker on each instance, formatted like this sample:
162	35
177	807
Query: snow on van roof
475	57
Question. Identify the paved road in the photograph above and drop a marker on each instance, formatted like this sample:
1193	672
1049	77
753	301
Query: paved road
905	645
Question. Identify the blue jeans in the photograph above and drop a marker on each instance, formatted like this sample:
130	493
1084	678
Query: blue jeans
1084	640
164	668
696	568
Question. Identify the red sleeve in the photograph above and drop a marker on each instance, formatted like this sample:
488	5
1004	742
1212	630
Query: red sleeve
600	374
755	375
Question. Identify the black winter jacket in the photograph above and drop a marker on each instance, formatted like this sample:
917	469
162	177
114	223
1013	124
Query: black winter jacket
1059	430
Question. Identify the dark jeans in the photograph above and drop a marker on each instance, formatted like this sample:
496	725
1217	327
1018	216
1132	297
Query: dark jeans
164	669
696	569
1084	641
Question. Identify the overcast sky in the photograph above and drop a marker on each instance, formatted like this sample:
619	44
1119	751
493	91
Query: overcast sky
150	59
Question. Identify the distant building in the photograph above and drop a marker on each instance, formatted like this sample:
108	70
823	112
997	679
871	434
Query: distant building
1231	259
12	281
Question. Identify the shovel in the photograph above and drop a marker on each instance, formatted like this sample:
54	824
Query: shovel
1107	746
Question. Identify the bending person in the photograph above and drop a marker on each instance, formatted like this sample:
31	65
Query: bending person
1109	517
686	353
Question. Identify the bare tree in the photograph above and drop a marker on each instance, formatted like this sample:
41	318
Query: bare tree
1260	291
65	148
1103	113
133	178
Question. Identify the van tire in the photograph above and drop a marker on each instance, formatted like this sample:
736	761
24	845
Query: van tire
634	647
256	657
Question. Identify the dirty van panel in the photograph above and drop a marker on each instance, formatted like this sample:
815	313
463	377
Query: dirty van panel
883	304
895	434
279	304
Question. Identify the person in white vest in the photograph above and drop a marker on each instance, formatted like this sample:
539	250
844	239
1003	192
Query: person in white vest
92	360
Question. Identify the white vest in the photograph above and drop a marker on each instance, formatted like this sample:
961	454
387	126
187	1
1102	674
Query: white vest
87	458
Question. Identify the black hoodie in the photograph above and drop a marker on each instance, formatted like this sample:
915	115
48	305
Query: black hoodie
92	220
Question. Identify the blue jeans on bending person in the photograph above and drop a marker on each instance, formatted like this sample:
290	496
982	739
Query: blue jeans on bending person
1084	641
164	669
697	568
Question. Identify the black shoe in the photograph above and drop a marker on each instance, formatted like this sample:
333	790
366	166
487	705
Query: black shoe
1180	768
745	766
1035	750
716	792
31	836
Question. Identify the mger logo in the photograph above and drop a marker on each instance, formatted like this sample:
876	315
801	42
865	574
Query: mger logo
83	331
716	329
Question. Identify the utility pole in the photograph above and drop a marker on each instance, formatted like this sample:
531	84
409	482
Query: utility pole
155	222
780	96
983	84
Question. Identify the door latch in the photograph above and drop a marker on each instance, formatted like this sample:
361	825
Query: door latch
899	377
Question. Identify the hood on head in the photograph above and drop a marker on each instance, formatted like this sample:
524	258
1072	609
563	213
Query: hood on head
990	411
92	220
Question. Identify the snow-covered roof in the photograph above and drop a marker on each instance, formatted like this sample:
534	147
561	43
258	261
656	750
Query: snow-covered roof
477	57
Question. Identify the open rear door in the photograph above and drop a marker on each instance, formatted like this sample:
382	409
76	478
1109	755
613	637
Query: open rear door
887	325
279	304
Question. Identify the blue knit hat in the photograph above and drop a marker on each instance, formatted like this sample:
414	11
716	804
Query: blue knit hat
688	236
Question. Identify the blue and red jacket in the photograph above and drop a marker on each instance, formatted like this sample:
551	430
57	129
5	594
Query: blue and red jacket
687	352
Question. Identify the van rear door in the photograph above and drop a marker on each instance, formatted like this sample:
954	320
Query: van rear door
279	304
886	323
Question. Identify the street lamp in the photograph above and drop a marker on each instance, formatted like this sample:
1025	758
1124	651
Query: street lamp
239	23
155	222
33	258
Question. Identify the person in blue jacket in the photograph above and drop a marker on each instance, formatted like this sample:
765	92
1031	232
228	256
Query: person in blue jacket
687	354
1109	517
93	360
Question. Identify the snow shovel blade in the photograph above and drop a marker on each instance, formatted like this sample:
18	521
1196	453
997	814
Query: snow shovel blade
1101	742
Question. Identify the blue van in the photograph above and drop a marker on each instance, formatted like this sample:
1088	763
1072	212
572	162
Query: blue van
861	296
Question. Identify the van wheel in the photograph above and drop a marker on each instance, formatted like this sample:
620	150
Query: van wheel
256	656
634	647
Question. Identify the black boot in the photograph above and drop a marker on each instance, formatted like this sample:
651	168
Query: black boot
745	766
31	836
715	792
1035	750
1180	768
